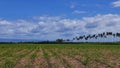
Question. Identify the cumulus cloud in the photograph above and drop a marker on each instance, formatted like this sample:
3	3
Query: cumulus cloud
116	3
47	27
101	22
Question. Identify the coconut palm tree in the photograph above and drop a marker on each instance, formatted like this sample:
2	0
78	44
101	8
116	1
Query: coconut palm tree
118	34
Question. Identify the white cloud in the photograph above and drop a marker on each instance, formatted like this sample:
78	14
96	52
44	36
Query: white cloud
4	22
109	22
116	3
47	27
79	12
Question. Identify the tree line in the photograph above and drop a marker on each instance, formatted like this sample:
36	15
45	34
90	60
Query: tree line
99	35
92	36
78	38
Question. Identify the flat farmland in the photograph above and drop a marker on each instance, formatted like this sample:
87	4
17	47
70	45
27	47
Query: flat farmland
59	55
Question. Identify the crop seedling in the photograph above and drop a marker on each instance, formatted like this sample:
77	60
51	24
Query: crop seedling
8	64
33	56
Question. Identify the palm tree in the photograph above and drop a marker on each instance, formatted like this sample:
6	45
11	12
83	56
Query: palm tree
109	33
118	34
77	38
114	35
59	40
96	36
81	37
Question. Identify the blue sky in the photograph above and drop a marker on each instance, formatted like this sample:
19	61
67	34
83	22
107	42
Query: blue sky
51	19
16	9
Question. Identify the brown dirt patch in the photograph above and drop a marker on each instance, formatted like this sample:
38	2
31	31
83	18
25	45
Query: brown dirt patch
40	61
74	63
23	62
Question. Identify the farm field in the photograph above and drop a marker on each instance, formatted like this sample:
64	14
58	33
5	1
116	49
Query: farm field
59	56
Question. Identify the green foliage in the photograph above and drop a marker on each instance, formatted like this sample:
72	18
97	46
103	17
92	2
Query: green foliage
8	64
33	56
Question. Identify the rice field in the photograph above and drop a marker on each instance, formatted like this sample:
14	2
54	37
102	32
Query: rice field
59	56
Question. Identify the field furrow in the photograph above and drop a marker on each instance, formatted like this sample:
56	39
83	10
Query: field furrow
39	61
59	56
24	62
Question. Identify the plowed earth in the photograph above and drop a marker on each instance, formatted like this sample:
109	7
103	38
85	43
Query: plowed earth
59	56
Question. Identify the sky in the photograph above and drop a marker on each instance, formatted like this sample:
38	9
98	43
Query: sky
52	19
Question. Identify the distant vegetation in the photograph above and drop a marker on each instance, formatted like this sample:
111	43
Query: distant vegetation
79	39
96	36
